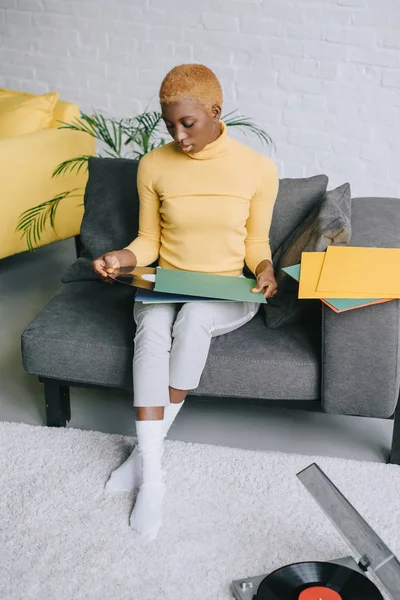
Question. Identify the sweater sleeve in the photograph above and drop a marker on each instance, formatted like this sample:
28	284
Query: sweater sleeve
146	246
260	216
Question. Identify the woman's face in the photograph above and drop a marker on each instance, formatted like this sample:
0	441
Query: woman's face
191	125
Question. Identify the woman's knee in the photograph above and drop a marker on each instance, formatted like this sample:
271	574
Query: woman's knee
154	326
193	316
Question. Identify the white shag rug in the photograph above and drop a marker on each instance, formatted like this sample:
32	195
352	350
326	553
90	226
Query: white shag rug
229	514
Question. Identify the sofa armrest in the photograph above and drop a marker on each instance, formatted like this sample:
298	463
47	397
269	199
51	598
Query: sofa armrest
26	166
361	348
360	360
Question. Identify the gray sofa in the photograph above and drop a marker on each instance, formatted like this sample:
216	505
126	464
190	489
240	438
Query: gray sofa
345	363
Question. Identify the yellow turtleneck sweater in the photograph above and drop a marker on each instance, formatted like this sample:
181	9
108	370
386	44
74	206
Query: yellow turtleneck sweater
209	211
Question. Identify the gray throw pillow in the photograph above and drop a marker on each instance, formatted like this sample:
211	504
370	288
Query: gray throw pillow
327	224
111	217
296	198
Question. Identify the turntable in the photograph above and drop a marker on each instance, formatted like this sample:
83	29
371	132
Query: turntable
372	568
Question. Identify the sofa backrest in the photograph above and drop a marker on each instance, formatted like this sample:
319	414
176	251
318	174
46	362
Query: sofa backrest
111	218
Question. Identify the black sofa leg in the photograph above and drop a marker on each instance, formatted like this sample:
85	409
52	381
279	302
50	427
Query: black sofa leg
395	453
78	245
58	406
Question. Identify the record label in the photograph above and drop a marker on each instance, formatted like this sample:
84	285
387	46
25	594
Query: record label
319	593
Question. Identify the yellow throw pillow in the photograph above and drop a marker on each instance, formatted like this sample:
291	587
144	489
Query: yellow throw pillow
24	113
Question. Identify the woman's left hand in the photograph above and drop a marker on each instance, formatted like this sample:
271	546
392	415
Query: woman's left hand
266	282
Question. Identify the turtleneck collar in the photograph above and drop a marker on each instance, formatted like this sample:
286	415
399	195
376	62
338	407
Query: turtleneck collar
216	148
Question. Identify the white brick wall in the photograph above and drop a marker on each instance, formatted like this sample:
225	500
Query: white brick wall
321	76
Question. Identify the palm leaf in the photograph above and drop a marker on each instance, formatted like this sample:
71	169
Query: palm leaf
32	222
140	131
147	120
109	131
109	153
147	123
158	144
84	123
71	164
104	132
117	136
247	126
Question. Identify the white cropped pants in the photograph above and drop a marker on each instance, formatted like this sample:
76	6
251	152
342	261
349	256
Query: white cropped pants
172	342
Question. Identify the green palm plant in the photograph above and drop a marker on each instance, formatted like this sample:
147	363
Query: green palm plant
128	138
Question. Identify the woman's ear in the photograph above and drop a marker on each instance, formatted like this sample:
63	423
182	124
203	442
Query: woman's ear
216	112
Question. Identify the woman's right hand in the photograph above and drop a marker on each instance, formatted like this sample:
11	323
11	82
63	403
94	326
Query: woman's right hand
111	262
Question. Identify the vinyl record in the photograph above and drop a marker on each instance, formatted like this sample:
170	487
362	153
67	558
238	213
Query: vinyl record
317	581
139	277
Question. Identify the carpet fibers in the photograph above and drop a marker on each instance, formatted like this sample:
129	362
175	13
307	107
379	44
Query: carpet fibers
229	513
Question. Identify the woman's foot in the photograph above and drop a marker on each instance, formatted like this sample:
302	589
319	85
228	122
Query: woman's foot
146	516
128	476
147	512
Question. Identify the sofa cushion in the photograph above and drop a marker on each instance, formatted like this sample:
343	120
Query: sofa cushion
328	223
85	335
22	113
111	217
248	364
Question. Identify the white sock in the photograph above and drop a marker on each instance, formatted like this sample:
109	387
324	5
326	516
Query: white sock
170	414
147	513
128	476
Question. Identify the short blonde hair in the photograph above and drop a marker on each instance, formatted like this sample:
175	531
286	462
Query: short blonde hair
191	81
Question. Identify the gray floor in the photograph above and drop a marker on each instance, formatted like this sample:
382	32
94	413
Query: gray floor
28	280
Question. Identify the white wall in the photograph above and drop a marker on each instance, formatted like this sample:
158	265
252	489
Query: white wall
321	76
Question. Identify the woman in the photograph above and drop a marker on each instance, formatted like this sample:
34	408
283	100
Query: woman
206	203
